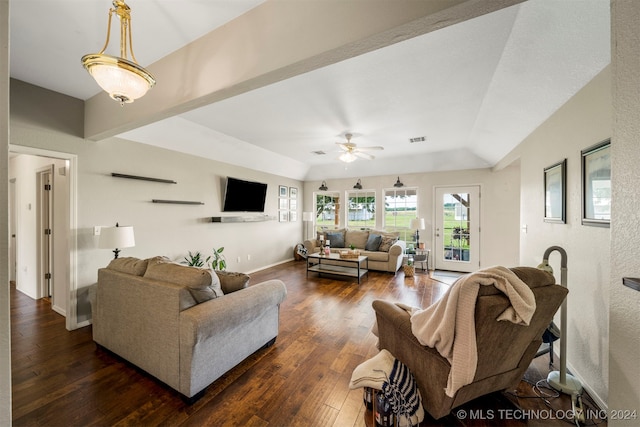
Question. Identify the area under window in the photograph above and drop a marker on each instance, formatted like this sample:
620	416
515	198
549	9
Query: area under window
400	206
361	209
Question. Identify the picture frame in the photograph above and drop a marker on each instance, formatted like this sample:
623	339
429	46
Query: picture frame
596	184
555	192
293	192
283	216
293	216
283	191
283	204
293	204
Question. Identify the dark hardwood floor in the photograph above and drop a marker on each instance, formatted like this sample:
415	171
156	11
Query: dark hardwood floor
60	378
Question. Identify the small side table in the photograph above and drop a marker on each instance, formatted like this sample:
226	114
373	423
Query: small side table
422	257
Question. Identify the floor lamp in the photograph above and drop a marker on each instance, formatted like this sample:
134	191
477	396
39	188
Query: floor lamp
307	217
560	380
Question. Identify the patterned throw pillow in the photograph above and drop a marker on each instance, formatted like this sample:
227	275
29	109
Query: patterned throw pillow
386	243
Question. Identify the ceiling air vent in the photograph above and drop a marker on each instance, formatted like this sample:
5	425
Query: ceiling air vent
417	139
319	152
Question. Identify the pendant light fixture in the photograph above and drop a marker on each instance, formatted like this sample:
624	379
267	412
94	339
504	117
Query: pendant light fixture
122	78
398	184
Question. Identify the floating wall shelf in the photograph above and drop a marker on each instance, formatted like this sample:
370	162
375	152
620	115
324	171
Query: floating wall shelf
242	218
143	178
177	202
631	282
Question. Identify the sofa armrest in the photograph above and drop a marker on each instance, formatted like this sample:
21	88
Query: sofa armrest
214	317
310	245
231	281
398	248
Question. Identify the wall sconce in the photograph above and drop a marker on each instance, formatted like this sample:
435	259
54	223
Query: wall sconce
116	237
398	184
323	186
358	185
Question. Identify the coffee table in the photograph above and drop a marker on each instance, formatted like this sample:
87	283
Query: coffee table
350	267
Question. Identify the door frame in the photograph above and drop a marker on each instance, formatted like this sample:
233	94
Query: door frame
474	262
71	322
45	219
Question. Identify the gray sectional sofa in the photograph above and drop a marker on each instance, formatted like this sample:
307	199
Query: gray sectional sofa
385	251
185	326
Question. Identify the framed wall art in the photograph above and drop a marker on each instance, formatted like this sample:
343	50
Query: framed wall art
555	192
596	185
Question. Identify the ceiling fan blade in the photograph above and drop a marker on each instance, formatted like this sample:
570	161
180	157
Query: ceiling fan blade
364	155
342	146
370	148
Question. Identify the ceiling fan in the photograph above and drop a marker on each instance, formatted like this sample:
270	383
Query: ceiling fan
350	151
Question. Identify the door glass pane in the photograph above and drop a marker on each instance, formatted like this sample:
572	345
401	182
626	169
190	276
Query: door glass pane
327	211
457	215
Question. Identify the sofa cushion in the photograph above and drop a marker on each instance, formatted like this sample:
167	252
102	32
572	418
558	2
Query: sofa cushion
386	242
336	239
203	283
357	238
376	255
323	233
129	265
373	242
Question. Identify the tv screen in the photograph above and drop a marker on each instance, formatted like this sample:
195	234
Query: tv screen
244	196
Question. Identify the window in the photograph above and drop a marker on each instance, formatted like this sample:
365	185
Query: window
400	206
327	210
361	213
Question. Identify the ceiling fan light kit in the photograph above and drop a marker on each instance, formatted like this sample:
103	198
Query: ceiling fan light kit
122	78
351	151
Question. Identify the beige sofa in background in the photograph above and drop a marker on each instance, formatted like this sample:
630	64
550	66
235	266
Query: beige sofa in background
181	324
388	256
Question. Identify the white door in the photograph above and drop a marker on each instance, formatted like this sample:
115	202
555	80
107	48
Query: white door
457	228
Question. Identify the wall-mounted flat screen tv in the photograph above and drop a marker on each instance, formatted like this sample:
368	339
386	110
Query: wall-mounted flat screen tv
244	196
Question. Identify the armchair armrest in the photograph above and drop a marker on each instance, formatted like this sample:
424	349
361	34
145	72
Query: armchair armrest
428	367
398	248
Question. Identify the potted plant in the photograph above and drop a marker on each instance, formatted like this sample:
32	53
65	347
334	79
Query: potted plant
409	269
195	260
219	262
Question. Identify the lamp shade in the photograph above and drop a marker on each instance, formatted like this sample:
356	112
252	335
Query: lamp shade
117	237
417	224
307	216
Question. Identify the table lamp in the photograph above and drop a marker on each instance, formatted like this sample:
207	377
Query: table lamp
116	237
417	224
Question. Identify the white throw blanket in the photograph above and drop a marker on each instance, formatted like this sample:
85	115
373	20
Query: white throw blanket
449	324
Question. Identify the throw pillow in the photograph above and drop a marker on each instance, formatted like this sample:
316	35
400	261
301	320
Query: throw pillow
336	240
357	238
373	243
386	243
129	265
232	281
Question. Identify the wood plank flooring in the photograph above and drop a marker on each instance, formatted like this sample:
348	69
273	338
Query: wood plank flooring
60	378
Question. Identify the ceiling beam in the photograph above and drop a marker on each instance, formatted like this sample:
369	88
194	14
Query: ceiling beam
272	42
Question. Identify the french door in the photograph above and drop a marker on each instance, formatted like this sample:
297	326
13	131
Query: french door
457	228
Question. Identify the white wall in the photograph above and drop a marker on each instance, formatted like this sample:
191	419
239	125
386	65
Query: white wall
500	205
624	303
583	121
24	169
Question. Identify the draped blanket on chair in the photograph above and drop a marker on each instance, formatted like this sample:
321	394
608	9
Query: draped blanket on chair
449	324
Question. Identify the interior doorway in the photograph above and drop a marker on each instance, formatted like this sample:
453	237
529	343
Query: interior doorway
30	213
457	228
